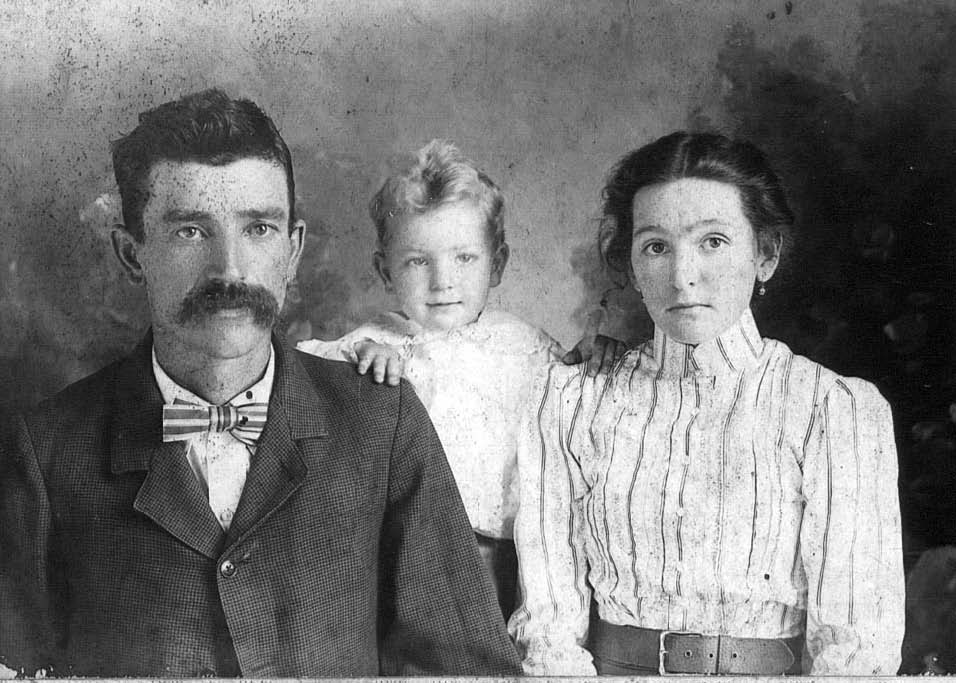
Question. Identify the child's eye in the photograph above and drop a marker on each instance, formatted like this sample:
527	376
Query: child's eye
467	258
417	261
655	248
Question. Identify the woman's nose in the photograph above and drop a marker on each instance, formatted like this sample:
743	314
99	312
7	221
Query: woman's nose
686	269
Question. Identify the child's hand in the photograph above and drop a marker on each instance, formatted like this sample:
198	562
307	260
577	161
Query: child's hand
384	360
600	353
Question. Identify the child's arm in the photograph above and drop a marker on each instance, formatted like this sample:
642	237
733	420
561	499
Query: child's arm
599	352
385	361
365	347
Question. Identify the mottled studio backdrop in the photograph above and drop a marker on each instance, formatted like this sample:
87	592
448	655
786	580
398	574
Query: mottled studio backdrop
854	100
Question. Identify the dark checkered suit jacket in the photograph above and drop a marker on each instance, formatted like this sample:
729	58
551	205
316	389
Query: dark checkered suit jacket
349	554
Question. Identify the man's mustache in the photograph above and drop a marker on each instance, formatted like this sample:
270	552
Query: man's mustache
214	296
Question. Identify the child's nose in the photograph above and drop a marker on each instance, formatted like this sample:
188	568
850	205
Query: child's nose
442	275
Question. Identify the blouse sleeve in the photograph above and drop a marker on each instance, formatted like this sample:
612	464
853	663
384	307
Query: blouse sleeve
541	346
550	625
343	348
851	542
554	350
337	349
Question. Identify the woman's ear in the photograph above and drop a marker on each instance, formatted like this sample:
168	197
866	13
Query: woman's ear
498	262
624	276
768	258
125	246
381	267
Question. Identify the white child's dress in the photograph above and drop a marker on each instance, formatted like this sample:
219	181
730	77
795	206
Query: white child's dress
474	382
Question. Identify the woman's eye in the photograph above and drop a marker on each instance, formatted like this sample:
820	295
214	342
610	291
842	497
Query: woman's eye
655	248
714	242
189	232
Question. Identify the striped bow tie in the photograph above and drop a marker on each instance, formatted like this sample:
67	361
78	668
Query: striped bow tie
182	420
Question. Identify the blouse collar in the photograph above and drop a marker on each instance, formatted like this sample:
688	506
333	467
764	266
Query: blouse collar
736	349
401	324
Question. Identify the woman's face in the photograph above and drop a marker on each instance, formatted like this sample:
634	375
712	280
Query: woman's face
695	257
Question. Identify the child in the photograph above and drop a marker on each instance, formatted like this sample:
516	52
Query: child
441	248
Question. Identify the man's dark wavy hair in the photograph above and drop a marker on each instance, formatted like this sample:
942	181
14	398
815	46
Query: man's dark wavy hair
208	127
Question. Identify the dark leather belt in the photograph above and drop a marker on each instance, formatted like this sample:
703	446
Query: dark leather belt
679	652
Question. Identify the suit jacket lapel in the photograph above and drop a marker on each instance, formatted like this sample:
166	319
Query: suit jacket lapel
279	467
170	495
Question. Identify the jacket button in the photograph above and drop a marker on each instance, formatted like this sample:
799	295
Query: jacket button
227	569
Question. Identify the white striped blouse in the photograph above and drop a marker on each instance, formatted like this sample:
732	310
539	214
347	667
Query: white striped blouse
729	488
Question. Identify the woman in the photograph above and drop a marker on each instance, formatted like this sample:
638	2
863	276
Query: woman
715	504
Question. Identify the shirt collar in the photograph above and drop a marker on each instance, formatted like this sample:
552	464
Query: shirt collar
257	393
735	350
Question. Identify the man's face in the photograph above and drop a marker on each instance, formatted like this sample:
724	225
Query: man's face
217	254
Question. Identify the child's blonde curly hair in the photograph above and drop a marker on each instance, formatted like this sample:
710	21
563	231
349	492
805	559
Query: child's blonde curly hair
440	175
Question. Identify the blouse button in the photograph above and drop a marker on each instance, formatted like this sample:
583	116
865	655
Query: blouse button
248	394
227	569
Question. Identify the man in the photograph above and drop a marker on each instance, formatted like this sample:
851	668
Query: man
143	539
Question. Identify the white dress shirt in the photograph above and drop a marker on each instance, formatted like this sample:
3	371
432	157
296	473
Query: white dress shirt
474	381
729	488
219	460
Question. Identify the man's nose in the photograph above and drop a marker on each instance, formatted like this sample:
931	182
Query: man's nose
226	260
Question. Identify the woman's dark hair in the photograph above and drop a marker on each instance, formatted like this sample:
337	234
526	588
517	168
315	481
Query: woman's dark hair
694	155
207	127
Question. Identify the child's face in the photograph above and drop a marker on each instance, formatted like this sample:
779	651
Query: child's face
440	265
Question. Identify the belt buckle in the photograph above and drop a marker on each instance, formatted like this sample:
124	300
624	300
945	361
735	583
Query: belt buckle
661	651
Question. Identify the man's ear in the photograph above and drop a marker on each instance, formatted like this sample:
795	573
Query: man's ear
381	267
296	247
125	246
498	263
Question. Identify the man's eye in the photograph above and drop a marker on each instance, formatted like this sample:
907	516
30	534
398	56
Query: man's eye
417	261
188	232
260	229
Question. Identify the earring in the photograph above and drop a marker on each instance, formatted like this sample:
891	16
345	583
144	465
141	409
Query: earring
761	290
